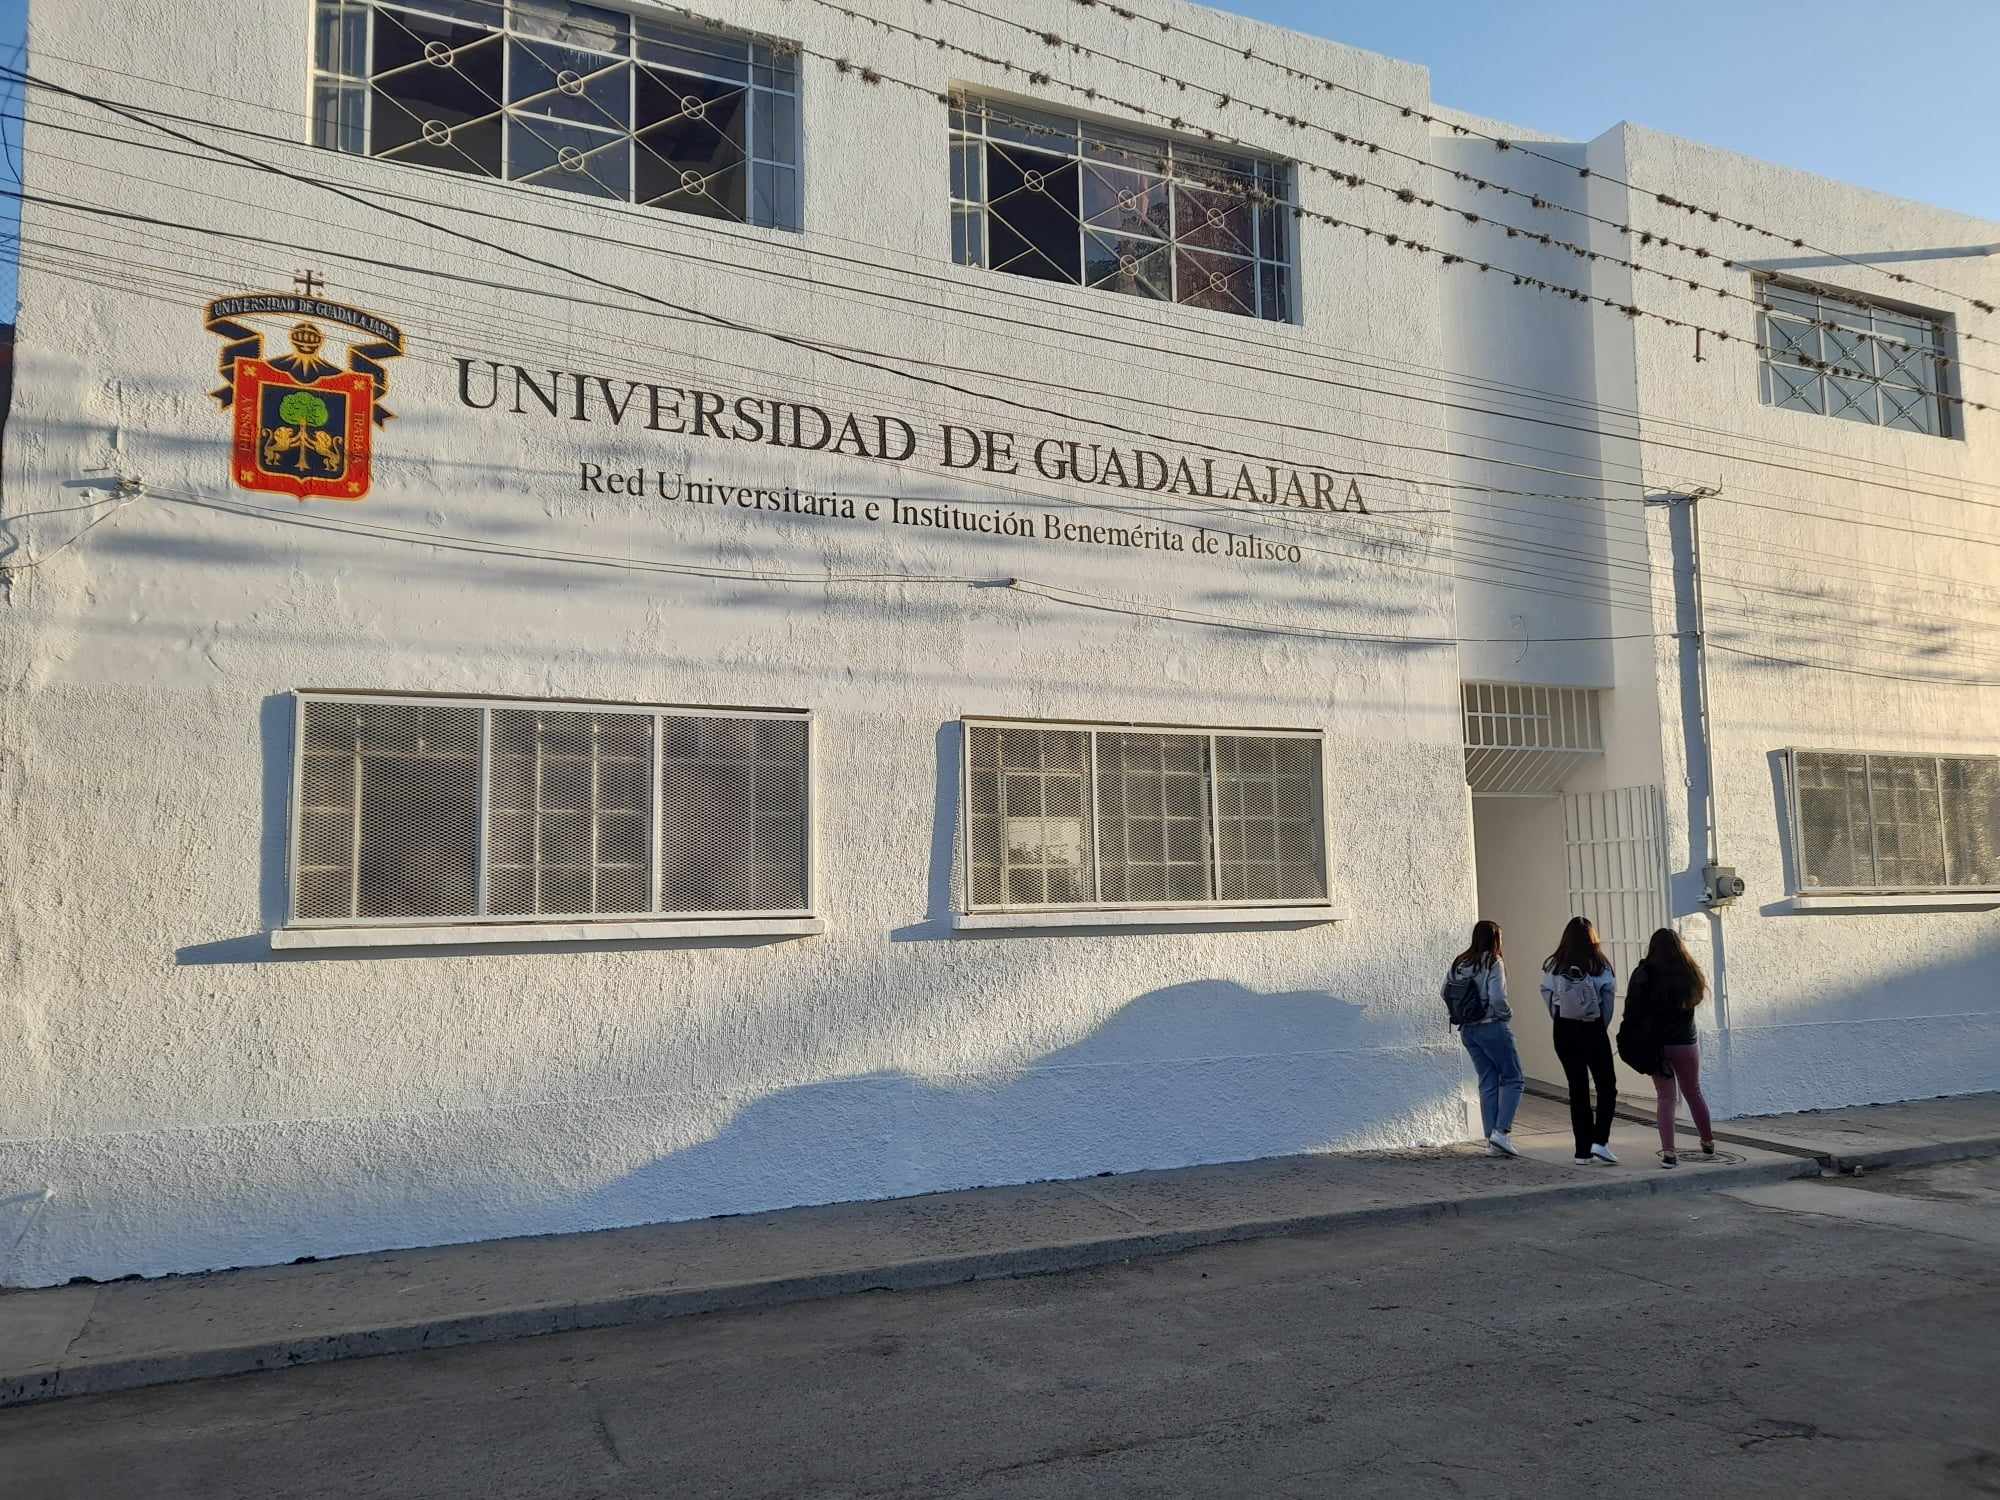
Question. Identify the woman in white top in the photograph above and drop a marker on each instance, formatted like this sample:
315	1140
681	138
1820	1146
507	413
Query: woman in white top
1581	990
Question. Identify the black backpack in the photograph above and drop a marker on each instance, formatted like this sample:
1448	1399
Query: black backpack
1465	996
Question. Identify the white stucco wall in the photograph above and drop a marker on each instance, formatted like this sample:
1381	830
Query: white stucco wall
176	1095
1830	1008
1814	550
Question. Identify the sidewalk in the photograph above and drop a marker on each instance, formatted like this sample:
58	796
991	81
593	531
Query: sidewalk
74	1340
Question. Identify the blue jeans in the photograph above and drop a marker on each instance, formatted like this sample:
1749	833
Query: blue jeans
1491	1044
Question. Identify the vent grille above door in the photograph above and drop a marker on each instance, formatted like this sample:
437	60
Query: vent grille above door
1524	741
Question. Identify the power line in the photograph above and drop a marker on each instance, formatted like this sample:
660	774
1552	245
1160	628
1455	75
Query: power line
1015	294
1056	593
841	352
1857	517
659	315
1201	619
1599	564
1128	13
78	205
1591	301
520	255
1340	177
1825	666
457	542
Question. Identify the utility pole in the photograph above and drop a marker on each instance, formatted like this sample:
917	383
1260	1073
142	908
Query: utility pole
1705	715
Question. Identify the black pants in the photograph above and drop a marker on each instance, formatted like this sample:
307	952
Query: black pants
1584	1050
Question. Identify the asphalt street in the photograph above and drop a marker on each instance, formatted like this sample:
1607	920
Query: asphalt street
1829	1338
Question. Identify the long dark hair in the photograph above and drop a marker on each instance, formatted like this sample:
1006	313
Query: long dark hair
1578	950
1667	958
1485	947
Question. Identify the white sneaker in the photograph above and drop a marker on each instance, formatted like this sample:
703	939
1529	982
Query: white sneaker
1502	1144
1583	1161
1603	1153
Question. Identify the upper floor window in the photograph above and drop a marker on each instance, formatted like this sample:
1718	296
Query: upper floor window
1068	200
432	809
1895	822
1074	815
567	96
1844	357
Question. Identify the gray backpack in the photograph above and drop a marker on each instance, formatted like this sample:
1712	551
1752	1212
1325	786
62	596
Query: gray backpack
1573	996
1464	995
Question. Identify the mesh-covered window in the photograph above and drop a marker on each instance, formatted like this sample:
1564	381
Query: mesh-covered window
1267	818
1896	822
388	812
1029	830
1152	817
733	830
1072	816
568	808
416	810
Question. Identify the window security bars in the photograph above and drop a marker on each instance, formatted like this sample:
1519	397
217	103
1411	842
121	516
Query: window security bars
1084	817
415	810
563	95
1067	200
1895	822
1842	357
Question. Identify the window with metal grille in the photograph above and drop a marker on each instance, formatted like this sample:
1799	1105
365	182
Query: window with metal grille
1895	822
563	95
414	809
1075	815
1067	200
1840	356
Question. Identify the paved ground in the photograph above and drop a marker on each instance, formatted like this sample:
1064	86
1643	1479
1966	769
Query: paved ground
102	1338
1823	1338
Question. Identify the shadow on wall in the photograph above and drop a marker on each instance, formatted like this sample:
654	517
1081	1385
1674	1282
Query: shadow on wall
1198	1072
1165	1081
938	902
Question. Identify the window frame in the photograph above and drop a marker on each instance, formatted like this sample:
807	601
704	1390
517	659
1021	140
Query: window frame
1801	876
653	916
754	153
1092	728
1943	356
968	123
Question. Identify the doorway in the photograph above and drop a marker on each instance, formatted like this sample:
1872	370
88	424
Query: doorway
1538	860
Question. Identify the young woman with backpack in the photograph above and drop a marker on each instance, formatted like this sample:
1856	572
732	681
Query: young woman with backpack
1660	1000
1475	997
1581	991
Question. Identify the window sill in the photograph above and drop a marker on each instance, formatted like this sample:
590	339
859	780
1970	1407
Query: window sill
1887	901
473	933
1171	916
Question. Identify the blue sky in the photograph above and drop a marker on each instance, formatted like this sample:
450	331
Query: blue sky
1832	86
1894	98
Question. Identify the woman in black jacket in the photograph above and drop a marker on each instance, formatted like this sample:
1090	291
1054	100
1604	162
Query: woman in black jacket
1660	1001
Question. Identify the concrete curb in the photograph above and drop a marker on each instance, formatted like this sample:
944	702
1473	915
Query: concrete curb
637	1309
1931	1153
1914	1156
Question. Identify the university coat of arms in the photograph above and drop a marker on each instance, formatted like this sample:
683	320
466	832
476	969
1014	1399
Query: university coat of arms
303	424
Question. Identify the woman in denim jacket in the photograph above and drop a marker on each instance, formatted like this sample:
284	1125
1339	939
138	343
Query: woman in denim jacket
1490	1039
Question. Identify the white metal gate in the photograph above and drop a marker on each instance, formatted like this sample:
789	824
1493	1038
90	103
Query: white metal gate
1616	843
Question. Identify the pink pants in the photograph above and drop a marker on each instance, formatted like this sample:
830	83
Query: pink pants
1684	1079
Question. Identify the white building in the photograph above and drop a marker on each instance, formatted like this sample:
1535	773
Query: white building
392	857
